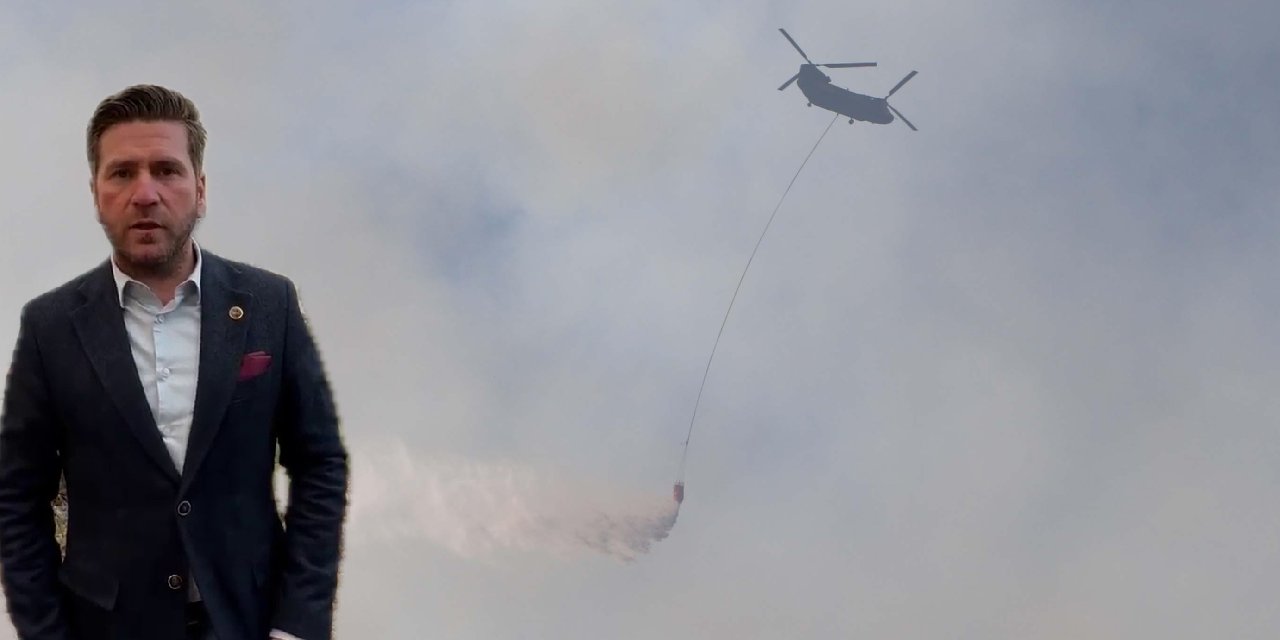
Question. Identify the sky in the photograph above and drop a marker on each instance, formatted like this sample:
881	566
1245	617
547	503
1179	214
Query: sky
1009	376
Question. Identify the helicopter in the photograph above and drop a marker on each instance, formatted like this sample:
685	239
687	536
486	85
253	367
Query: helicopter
817	87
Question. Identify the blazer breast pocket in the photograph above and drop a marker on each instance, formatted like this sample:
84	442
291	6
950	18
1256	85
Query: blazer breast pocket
252	375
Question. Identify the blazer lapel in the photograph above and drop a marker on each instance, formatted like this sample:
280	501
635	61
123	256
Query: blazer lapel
222	340
99	323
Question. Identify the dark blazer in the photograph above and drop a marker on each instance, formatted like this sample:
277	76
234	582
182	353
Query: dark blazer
74	406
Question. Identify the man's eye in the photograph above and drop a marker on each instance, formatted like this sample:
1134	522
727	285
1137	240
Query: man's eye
118	173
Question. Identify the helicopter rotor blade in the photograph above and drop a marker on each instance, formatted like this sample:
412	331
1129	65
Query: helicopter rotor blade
843	65
901	117
900	83
793	43
788	83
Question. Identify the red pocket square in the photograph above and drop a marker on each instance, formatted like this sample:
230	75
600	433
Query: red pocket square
253	365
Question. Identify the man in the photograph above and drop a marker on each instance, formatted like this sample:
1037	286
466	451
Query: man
161	384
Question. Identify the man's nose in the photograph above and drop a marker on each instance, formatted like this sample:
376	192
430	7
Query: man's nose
145	192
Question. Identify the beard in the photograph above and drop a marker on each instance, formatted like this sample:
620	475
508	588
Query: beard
159	256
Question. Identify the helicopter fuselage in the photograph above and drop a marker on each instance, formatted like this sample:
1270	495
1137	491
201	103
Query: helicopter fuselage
817	87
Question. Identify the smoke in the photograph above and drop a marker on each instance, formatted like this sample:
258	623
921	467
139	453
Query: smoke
481	509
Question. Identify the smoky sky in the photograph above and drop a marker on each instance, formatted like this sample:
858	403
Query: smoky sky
1010	376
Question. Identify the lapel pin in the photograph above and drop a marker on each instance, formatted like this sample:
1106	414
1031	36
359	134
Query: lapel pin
236	313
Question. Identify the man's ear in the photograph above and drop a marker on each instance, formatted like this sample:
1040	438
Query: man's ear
200	195
93	192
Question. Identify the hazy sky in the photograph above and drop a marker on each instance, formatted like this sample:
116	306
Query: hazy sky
1007	377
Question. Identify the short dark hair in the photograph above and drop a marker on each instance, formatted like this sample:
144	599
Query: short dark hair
147	103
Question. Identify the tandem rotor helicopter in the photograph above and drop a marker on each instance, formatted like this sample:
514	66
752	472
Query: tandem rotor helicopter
817	87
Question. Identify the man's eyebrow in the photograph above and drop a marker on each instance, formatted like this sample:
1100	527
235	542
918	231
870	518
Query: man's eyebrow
166	161
135	162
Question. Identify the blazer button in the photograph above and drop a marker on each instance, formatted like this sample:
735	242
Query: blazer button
175	582
184	508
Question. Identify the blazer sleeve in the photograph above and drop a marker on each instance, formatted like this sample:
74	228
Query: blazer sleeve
313	454
30	467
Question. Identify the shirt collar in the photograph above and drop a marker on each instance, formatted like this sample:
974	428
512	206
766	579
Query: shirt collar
122	279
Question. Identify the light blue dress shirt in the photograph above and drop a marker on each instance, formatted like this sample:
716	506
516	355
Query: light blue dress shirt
165	341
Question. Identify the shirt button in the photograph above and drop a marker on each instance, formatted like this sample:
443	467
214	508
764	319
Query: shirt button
159	319
184	508
164	373
175	582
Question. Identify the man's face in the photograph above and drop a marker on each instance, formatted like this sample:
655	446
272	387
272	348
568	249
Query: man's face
147	193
